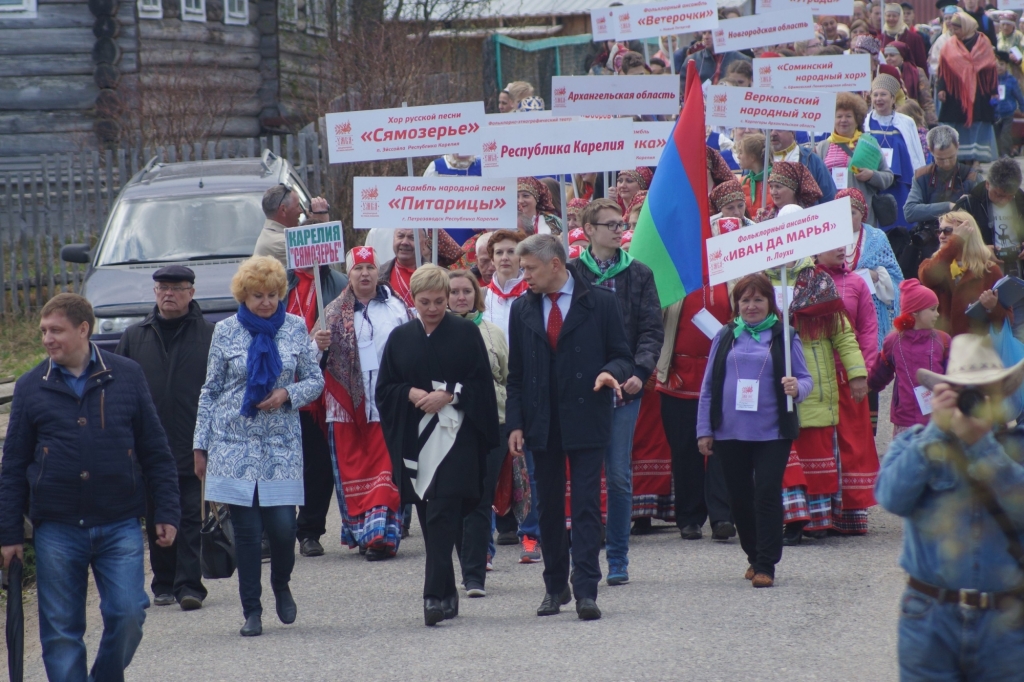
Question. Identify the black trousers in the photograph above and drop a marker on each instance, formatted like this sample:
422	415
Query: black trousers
176	568
317	480
753	473
475	533
700	490
585	504
441	521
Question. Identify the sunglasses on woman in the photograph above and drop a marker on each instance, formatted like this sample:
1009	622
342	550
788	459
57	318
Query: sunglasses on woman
944	230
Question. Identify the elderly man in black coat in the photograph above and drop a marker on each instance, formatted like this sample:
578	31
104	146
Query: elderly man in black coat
567	356
172	346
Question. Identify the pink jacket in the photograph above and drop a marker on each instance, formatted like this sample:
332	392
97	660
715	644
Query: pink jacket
860	308
902	354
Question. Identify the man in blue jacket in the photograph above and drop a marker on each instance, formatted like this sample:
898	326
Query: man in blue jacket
83	447
959	489
568	356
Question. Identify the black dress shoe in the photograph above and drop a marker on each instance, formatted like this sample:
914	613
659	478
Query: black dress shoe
792	535
586	609
817	534
311	547
508	537
722	530
691	532
433	612
374	554
641	526
286	609
552	602
450	605
253	626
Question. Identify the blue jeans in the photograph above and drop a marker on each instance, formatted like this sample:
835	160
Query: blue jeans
249	524
64	554
947	643
531	524
618	474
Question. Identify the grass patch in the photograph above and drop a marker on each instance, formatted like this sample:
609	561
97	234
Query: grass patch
20	346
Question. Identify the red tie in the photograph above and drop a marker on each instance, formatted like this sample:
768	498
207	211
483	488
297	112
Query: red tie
554	321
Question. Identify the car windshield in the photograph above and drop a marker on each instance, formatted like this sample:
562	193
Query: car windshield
183	228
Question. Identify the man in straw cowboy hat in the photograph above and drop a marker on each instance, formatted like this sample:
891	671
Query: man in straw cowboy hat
960	486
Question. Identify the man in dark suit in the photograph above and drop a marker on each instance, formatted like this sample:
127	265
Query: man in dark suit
567	355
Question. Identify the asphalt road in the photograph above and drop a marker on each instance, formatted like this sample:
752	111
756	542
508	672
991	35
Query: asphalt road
687	614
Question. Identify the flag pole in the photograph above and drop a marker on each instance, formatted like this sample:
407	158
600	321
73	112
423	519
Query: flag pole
319	294
785	330
563	187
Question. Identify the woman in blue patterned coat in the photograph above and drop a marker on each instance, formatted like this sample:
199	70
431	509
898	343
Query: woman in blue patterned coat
248	443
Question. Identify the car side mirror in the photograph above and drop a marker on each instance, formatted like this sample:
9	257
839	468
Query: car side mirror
75	253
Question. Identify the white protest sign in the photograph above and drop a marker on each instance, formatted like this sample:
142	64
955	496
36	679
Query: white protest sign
392	203
842	8
615	95
601	27
782	240
837	73
774	109
579	146
665	18
1011	4
758	30
649	138
309	245
398	133
525	118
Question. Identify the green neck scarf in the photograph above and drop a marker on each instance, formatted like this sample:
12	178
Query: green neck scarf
755	178
755	331
477	317
588	259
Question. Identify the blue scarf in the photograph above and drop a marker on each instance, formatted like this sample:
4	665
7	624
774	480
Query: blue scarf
263	364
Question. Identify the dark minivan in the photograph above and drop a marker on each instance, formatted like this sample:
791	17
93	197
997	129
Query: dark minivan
205	215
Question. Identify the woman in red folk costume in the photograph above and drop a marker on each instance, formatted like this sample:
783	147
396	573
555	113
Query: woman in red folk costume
536	209
858	457
360	321
572	212
628	183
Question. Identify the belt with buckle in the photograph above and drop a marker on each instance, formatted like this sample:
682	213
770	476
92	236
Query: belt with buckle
970	598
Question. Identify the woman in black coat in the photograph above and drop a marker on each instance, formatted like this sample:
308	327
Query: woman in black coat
439	415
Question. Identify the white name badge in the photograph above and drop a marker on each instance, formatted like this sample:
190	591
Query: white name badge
924	399
839	177
887	155
707	323
865	275
746	395
368	356
1002	92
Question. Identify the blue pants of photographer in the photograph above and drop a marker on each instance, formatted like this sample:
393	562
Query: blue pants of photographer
952	643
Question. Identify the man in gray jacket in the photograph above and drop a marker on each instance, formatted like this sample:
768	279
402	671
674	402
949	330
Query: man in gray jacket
283	209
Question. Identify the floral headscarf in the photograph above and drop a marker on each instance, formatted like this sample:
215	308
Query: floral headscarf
726	193
856	199
637	200
796	177
575	206
720	171
577	235
539	191
817	309
867	43
530	104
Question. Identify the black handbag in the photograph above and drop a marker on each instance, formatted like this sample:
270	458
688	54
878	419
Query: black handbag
217	541
885	210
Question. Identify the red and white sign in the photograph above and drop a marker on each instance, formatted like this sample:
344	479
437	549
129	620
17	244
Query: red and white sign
1011	4
398	133
580	146
838	73
665	18
758	30
782	240
649	139
775	109
841	8
601	26
615	95
392	203
310	245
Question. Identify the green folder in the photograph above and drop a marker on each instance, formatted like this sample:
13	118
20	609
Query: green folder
866	155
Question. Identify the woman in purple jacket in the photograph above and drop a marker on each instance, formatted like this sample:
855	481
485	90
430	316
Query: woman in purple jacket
915	343
742	417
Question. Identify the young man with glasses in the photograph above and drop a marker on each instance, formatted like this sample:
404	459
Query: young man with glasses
605	264
172	346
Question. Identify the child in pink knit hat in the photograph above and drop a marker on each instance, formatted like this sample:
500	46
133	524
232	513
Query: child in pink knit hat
913	344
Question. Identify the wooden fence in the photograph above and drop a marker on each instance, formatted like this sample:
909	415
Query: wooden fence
53	200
